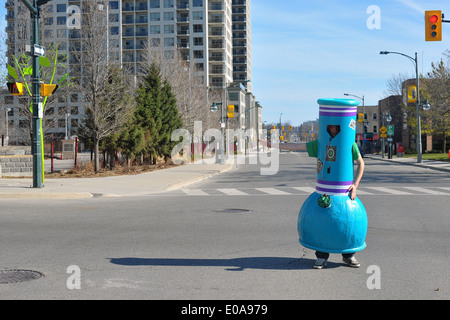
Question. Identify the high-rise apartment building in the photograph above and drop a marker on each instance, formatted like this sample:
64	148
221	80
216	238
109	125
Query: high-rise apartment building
213	36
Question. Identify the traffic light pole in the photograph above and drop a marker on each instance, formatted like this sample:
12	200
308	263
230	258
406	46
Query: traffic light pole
36	147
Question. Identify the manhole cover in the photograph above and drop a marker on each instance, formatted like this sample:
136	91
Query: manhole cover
232	210
13	276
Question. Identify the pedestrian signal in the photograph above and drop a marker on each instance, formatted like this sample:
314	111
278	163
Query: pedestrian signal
48	89
230	111
15	88
433	25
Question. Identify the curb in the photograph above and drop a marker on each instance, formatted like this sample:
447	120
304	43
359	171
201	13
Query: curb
79	195
420	165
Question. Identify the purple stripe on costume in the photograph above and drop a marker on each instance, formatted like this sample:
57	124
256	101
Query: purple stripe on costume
325	190
342	109
336	114
335	183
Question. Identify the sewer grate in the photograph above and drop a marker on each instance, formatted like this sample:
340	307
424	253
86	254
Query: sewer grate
232	211
17	275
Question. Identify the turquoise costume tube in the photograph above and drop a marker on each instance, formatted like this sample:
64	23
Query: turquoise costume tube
329	221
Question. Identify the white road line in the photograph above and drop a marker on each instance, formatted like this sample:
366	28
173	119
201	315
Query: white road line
427	191
233	192
194	192
307	190
388	190
273	191
359	191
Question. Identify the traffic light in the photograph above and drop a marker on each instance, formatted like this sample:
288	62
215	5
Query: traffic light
230	111
48	89
433	25
15	88
360	117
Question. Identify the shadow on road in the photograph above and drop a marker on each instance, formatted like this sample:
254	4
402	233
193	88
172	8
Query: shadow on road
237	264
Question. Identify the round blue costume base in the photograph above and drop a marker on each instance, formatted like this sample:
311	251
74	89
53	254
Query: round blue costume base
340	228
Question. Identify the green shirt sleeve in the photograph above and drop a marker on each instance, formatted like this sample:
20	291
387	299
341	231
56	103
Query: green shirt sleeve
312	147
355	151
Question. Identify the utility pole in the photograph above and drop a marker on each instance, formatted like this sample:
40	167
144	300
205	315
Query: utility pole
36	52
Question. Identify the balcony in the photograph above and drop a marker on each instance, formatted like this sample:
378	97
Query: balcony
142	6
216	6
216	44
182	19
182	5
217	32
128	8
216	19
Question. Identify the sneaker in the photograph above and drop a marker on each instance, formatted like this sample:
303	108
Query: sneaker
320	263
352	262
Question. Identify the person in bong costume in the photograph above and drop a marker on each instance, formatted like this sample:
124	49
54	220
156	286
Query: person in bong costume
312	148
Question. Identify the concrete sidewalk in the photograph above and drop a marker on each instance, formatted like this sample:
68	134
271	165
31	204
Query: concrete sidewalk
117	186
429	164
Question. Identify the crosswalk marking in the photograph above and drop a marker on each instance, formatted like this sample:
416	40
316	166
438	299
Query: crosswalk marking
391	191
233	192
305	191
362	192
273	191
194	192
423	190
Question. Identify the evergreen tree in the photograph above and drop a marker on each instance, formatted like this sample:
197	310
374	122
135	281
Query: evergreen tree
157	114
148	113
171	121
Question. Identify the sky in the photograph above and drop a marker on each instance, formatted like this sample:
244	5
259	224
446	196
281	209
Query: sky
305	50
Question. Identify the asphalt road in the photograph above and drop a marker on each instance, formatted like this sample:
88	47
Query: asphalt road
233	236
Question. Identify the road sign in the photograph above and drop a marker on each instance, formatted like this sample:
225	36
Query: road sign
383	135
390	130
383	130
39	50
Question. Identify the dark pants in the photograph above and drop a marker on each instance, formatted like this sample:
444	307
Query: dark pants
325	255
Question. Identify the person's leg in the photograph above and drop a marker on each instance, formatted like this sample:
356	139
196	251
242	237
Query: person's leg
321	261
350	260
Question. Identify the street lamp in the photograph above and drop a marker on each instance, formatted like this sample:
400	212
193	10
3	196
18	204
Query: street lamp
419	133
214	108
386	117
36	120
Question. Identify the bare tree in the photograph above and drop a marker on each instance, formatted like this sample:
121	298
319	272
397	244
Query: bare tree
394	84
106	90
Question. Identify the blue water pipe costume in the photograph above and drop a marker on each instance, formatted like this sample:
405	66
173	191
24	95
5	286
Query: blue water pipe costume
329	221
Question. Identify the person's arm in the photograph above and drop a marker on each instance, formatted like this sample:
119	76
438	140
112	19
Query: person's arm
359	174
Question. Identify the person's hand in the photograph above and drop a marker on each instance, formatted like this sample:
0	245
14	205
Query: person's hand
352	191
